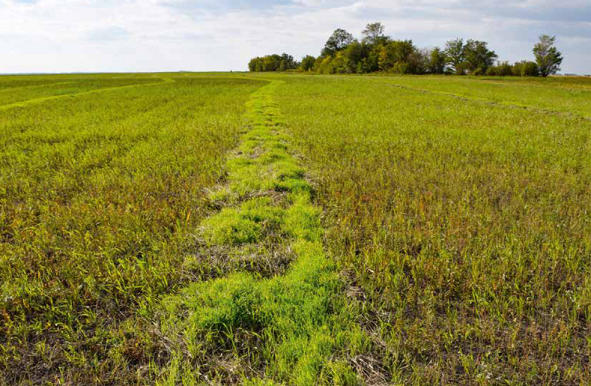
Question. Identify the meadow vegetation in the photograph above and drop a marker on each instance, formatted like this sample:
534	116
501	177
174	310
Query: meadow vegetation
99	196
463	225
16	95
552	95
271	229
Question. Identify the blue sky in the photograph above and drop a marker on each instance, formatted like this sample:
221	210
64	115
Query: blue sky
210	35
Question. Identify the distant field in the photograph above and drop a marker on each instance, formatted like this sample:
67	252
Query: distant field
553	94
18	91
289	229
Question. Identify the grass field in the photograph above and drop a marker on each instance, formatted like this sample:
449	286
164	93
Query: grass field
464	226
554	94
194	229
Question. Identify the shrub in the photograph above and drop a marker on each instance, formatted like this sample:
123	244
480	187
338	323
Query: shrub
525	68
530	69
517	69
308	63
400	68
504	69
478	72
462	69
491	71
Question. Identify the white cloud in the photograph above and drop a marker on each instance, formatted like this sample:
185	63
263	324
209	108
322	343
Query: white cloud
151	35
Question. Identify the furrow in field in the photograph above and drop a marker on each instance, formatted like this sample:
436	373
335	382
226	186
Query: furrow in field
72	95
280	315
490	102
8	89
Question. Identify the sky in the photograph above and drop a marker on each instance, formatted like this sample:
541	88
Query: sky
222	35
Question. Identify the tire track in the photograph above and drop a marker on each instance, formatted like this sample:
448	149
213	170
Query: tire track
30	102
489	102
293	325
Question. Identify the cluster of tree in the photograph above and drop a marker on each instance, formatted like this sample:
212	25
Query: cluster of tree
548	61
376	52
472	57
273	63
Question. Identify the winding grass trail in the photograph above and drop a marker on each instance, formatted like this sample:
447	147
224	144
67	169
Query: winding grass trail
35	86
263	327
73	95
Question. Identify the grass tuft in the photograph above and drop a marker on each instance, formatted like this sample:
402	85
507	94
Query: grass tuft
248	223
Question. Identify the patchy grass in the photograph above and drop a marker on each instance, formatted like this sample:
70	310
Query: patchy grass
21	94
294	328
249	223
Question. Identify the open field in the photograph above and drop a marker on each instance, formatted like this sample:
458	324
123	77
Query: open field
16	95
99	196
553	94
287	229
463	225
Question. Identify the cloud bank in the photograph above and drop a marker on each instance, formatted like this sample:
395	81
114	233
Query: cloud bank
220	35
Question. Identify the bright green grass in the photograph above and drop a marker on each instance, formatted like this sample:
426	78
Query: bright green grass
11	83
572	82
295	328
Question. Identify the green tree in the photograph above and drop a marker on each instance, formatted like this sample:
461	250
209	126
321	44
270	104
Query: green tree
504	69
374	34
325	65
530	69
371	62
308	63
419	61
273	63
455	55
477	56
353	56
517	68
252	65
383	61
338	41
492	71
399	56
340	63
437	61
547	56
318	64
525	68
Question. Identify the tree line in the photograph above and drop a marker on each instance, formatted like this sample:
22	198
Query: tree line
283	62
376	52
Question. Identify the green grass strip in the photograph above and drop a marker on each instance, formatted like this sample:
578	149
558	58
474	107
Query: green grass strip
293	329
35	101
